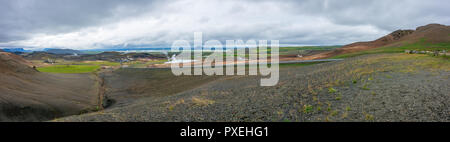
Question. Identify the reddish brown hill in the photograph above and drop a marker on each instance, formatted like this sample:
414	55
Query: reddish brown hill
11	63
433	33
29	95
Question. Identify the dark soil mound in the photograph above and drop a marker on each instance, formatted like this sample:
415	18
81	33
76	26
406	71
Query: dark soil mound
29	95
124	86
11	63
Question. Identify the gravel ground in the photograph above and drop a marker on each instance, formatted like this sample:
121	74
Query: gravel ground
385	87
127	85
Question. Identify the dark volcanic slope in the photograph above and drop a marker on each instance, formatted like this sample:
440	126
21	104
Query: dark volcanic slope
127	85
28	95
387	87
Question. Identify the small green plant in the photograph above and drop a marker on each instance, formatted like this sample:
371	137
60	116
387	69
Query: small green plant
370	78
365	87
320	88
307	108
373	93
354	81
304	95
345	115
314	98
313	92
319	108
388	76
329	106
334	113
369	117
171	108
339	97
337	82
202	102
280	112
347	108
331	90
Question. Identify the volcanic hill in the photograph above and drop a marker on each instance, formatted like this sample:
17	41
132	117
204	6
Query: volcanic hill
29	95
431	33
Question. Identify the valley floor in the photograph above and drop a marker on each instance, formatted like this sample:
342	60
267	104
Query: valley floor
379	87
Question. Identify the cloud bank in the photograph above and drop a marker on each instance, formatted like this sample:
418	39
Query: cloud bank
89	24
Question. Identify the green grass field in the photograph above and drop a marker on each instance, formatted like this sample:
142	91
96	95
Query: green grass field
69	68
419	46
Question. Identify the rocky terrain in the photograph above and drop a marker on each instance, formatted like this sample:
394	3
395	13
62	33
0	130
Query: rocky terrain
128	85
386	87
375	87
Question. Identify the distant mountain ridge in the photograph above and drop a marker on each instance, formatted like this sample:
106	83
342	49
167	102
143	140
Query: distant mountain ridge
62	51
13	50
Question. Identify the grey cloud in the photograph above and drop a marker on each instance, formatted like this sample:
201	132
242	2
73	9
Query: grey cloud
386	14
290	21
20	18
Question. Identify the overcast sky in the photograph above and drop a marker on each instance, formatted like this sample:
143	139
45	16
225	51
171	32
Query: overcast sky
89	24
